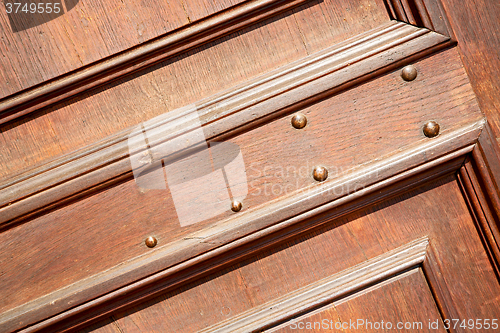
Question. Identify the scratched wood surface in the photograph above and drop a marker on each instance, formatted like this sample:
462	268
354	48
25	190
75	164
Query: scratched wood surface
182	80
436	210
344	132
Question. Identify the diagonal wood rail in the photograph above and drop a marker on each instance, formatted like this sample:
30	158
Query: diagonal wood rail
294	85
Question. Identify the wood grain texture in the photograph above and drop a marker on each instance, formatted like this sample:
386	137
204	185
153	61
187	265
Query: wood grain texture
139	57
326	290
477	29
302	82
219	65
482	215
402	300
150	213
480	182
422	13
88	33
442	295
72	248
245	247
462	263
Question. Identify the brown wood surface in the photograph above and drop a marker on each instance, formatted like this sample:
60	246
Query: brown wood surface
151	212
403	220
375	271
152	285
477	29
479	178
436	210
92	30
402	300
182	80
474	25
422	13
224	114
141	56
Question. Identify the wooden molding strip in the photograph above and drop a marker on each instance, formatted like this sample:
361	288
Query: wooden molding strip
140	57
93	294
480	211
265	239
421	13
441	293
304	81
326	290
480	181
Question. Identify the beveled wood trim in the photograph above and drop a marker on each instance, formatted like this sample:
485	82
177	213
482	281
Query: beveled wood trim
145	55
480	179
145	276
482	216
89	313
439	289
421	13
305	81
326	290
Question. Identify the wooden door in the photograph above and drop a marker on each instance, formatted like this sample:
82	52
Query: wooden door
247	166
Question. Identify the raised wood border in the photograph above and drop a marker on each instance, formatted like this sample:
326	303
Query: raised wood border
423	13
185	259
326	290
145	55
290	87
428	14
385	268
480	181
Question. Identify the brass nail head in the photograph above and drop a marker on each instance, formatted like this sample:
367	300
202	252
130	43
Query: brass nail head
409	73
236	206
320	173
431	129
299	120
151	241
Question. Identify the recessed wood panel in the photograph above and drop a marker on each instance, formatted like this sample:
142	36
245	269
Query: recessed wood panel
87	32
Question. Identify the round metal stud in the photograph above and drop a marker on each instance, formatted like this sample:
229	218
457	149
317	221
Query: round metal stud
431	129
320	173
236	206
409	73
299	121
151	241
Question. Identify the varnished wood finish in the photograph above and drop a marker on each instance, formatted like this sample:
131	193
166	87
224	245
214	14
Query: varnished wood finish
220	65
392	301
403	214
180	244
422	13
142	56
415	152
475	24
326	290
304	81
374	231
480	178
93	31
